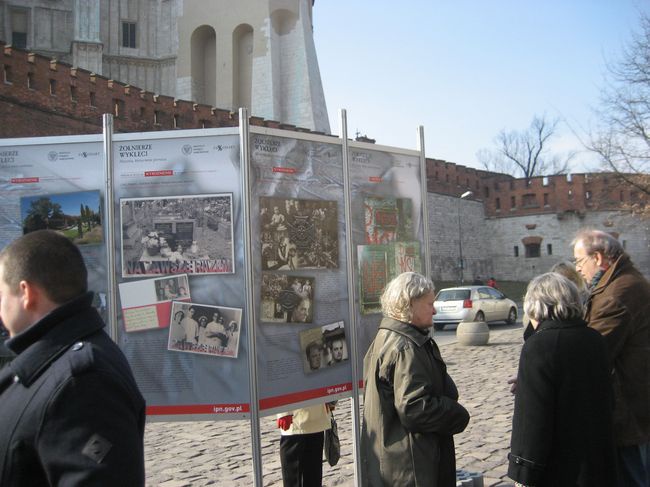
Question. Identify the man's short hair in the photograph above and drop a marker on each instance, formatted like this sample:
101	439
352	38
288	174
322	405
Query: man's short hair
49	260
598	241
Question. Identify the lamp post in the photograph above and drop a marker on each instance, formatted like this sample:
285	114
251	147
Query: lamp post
466	194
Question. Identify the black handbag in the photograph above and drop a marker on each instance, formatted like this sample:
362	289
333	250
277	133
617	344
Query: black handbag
332	445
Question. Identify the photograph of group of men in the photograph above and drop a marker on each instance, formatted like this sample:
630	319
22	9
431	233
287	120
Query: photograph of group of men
209	330
298	234
287	298
323	347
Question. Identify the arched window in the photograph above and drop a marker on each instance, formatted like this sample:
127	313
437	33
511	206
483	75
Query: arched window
242	45
204	65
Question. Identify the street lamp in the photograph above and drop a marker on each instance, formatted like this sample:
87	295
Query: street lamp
466	194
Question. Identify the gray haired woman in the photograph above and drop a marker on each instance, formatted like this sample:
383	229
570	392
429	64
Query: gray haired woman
562	424
411	409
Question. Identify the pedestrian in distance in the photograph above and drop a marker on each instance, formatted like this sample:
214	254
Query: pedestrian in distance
619	308
70	411
562	423
411	409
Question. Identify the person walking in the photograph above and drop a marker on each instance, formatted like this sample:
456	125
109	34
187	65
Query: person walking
562	423
619	308
411	409
70	411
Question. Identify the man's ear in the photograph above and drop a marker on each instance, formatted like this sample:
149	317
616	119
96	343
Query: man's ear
601	261
31	295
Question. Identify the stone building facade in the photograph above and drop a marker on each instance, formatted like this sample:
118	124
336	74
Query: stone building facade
257	54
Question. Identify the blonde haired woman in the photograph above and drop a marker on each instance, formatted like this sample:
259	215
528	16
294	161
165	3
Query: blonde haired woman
411	409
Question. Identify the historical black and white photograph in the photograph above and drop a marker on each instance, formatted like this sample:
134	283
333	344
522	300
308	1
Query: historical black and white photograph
335	349
287	298
177	235
205	329
298	234
323	347
169	288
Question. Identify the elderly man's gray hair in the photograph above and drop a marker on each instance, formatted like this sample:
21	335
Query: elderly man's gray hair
552	296
397	296
598	241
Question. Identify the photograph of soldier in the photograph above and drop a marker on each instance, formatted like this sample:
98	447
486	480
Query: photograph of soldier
205	329
177	235
335	348
287	298
298	234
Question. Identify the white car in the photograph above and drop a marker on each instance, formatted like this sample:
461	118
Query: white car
472	303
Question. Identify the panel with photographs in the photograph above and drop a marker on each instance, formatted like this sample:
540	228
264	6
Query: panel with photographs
390	249
204	329
298	234
287	298
387	219
323	347
146	304
177	235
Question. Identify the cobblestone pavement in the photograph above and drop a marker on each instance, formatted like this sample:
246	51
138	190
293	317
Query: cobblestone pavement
219	453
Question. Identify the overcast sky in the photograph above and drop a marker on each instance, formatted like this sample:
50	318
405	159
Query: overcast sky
465	69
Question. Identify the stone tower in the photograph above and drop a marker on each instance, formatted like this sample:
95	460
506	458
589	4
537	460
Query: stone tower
258	54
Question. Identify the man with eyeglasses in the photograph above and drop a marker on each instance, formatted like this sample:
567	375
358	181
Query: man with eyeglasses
619	308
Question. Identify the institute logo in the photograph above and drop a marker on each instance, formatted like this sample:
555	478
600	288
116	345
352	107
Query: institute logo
52	156
186	149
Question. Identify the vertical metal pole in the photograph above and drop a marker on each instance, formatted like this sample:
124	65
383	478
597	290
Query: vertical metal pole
244	148
356	407
424	186
109	224
460	246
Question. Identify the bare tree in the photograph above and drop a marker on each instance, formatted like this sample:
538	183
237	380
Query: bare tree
526	152
623	138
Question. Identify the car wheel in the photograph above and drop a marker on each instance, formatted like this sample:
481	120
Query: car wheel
479	316
512	316
438	326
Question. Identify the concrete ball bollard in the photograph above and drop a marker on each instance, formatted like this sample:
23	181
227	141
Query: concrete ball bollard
472	333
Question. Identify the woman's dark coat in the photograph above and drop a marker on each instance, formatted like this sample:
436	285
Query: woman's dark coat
562	425
411	411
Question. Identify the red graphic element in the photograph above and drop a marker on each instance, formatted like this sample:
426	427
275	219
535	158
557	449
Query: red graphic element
287	170
375	179
24	180
166	172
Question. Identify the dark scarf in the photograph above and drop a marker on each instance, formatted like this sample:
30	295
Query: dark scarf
596	279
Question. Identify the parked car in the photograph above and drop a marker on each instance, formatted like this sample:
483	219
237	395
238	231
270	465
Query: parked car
472	303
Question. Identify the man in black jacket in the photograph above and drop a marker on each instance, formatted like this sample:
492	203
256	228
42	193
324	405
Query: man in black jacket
70	410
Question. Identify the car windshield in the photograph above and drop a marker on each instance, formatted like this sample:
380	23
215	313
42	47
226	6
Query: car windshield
453	295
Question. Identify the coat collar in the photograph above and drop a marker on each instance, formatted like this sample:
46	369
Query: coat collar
411	332
621	264
554	324
43	342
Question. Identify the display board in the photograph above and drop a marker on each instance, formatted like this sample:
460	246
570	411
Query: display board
300	264
57	183
182	326
179	247
387	228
